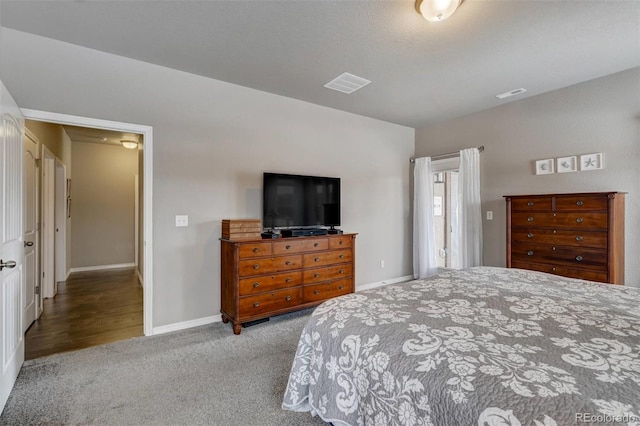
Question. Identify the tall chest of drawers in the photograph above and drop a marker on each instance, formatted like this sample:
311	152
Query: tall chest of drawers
573	235
262	278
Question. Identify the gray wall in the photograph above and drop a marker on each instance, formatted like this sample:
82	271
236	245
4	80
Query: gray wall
103	196
601	115
212	142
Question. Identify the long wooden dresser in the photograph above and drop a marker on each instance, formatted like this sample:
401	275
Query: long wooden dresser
573	235
262	278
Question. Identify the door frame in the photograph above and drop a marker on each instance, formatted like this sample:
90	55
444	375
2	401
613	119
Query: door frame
37	240
48	223
60	223
147	178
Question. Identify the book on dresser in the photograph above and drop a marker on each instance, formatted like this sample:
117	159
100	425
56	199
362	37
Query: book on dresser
577	235
261	278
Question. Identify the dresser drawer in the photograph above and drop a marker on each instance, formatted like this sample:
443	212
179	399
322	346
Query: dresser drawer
589	258
269	265
254	250
584	274
533	203
327	258
582	203
584	220
340	242
269	282
298	246
268	302
560	237
328	273
315	292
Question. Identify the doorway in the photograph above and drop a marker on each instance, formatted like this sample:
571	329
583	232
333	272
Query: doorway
146	271
446	212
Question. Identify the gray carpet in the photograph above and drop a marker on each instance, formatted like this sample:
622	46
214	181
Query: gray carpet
204	375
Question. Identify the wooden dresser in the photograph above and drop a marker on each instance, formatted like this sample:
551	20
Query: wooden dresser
261	278
573	235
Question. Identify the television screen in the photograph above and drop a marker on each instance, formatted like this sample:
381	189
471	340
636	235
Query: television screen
297	201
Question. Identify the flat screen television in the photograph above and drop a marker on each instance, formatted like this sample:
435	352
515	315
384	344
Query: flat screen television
291	201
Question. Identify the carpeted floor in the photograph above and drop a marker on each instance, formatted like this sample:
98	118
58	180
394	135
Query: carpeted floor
204	375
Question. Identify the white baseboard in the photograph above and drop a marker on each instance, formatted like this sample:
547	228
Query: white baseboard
102	267
186	324
68	273
369	286
140	277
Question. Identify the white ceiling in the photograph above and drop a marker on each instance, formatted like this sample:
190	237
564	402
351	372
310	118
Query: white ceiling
421	72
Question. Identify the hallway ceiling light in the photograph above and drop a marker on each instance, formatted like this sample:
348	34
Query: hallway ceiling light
437	10
129	144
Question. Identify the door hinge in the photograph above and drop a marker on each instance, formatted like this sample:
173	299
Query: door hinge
37	162
37	289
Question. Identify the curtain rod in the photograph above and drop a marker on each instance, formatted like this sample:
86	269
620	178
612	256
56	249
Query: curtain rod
447	155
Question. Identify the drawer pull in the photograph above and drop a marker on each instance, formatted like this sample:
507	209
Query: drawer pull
579	258
529	235
340	288
317	259
256	304
579	220
256	285
341	242
530	253
553	248
316	292
288	280
579	202
288	298
256	249
341	256
341	271
579	238
316	275
288	262
315	244
256	266
553	269
530	203
287	247
530	219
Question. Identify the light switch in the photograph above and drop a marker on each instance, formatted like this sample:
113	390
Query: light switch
489	215
182	220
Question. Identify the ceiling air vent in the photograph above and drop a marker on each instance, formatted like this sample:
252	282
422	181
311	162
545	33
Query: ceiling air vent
347	83
511	93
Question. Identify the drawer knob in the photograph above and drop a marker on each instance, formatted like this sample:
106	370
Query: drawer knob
579	258
288	262
530	203
579	220
341	271
579	203
317	259
256	266
316	275
341	256
316	292
553	248
256	285
288	298
256	249
553	269
288	247
529	235
579	238
315	244
256	304
530	253
530	219
340	242
340	288
288	280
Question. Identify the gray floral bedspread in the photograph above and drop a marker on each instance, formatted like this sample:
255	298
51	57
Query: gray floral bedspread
487	346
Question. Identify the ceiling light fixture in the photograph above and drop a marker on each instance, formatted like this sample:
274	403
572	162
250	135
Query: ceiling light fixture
129	144
437	10
511	93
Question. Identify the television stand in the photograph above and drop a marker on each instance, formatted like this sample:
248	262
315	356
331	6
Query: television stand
303	232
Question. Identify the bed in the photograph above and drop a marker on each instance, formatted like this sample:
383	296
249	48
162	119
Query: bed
487	346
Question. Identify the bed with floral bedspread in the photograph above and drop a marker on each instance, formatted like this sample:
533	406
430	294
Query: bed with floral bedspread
481	346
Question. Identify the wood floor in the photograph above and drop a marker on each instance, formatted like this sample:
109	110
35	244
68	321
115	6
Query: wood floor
91	308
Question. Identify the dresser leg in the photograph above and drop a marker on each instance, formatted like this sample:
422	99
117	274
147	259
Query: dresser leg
237	328
225	319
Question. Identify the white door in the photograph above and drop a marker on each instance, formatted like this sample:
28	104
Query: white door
11	245
32	306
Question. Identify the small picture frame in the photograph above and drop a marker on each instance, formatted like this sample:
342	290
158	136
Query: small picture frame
545	167
591	161
567	164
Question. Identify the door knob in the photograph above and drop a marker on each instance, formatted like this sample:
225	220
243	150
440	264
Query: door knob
9	264
28	243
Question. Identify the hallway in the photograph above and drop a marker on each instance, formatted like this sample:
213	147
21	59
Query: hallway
91	308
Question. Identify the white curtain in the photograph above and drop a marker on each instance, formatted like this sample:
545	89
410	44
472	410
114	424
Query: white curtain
470	217
424	247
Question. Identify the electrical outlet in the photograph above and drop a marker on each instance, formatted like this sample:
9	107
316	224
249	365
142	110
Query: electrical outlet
489	215
381	264
182	220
